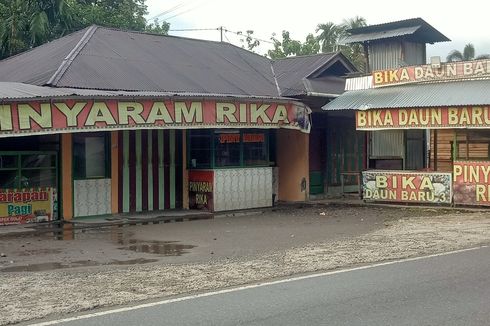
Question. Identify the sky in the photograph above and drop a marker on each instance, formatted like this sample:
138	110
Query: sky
462	22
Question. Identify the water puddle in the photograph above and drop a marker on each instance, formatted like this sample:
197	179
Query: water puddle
80	263
165	248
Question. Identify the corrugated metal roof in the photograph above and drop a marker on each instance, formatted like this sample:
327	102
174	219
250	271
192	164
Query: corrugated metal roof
461	93
424	33
19	91
359	38
297	76
99	58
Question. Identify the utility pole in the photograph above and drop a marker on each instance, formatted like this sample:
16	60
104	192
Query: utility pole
221	32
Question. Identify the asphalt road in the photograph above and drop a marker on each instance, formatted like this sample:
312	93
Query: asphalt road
452	289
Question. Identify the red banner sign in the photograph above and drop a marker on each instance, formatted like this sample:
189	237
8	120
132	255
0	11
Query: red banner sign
471	183
71	115
201	186
29	205
402	186
446	117
422	73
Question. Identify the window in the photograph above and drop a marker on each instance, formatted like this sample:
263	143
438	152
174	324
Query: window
227	148
255	151
200	148
27	169
91	158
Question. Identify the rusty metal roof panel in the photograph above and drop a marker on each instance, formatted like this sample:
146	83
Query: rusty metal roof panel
460	93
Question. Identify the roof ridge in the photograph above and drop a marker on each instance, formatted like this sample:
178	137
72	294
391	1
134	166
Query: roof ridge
71	56
306	56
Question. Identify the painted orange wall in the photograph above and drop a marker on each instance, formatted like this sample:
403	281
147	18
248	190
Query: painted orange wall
292	160
66	176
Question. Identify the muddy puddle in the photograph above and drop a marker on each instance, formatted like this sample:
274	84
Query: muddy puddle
165	248
81	263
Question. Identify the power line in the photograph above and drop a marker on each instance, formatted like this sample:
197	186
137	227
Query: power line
245	35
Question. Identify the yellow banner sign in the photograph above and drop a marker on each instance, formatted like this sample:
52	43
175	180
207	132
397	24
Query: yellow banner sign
446	117
422	73
19	206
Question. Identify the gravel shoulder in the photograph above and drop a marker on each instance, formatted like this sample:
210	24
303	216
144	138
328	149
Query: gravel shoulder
228	252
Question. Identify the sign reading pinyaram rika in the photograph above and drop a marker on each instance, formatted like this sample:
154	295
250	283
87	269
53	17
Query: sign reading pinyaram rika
446	117
423	73
70	115
409	187
201	185
18	206
471	183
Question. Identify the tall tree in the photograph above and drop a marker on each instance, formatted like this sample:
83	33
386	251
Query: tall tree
467	54
28	23
354	52
329	36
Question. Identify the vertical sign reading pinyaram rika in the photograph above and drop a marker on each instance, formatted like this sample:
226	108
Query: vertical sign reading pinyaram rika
201	185
408	187
471	183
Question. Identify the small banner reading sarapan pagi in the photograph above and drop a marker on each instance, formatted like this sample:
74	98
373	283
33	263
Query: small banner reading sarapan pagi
18	206
72	115
201	184
402	186
445	117
471	183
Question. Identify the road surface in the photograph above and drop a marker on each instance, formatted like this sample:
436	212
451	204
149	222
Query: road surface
452	289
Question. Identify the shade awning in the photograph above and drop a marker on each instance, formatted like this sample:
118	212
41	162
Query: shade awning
443	94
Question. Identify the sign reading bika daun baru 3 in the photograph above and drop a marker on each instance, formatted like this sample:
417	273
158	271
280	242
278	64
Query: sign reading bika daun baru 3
71	115
411	187
445	117
26	205
471	183
424	73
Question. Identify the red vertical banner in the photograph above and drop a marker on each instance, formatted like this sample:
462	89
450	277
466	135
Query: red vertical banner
201	187
471	183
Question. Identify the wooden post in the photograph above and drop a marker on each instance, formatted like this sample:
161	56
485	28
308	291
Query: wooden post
67	176
185	172
114	172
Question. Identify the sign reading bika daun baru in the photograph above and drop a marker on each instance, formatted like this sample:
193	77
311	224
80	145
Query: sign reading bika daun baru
471	183
410	187
72	115
424	73
201	184
29	205
445	117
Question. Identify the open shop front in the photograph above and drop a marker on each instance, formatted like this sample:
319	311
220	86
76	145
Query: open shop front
71	158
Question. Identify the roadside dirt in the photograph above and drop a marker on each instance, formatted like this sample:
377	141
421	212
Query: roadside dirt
41	276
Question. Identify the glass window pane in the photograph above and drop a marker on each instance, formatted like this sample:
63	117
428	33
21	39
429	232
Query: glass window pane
227	148
8	161
38	178
90	156
255	149
200	148
9	179
38	160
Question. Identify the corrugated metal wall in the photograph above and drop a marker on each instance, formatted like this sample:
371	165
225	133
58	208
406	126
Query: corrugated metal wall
384	55
387	143
395	54
414	53
150	170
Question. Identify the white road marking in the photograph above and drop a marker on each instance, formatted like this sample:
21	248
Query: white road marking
246	287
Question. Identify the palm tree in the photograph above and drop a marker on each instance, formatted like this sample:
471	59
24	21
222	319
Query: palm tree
468	54
329	36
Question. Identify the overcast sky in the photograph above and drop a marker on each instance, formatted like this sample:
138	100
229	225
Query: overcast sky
461	21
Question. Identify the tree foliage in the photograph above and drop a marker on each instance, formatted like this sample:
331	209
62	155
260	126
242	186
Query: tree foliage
28	23
289	47
467	54
328	39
